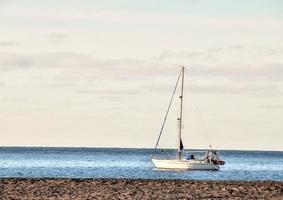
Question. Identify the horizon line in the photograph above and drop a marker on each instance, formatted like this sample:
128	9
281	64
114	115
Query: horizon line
148	148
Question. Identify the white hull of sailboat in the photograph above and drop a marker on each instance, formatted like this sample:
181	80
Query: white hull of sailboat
184	164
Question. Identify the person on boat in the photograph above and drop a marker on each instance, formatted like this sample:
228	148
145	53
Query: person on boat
189	157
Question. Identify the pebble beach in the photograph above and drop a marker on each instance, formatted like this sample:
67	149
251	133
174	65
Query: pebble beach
38	189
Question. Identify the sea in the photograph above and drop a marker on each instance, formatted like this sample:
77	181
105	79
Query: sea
55	162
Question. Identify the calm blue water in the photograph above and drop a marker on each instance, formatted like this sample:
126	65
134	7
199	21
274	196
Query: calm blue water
130	163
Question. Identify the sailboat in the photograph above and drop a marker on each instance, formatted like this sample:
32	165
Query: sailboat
208	161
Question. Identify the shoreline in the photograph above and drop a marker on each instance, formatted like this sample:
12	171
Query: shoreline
72	188
135	179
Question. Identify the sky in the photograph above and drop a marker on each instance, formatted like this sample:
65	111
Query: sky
88	73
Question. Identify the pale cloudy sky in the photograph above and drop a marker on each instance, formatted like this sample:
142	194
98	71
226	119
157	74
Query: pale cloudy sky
100	73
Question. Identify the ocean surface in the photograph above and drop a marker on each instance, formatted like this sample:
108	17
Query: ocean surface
40	162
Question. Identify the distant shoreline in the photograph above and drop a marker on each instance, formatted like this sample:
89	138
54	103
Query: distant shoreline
64	188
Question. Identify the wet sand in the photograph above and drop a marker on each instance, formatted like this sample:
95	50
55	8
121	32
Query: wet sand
45	189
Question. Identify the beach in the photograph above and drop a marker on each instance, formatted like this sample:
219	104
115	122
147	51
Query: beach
38	189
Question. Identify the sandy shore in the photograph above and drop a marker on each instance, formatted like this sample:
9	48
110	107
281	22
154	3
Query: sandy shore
136	189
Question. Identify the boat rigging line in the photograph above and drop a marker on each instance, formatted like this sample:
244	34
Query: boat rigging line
163	124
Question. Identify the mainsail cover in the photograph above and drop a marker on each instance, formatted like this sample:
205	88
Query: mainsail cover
181	145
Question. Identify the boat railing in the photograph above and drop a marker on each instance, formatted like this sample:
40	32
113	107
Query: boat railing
205	155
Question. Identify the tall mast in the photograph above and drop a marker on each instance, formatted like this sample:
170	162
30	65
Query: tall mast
180	117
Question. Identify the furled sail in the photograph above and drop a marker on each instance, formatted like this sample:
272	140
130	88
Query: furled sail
181	145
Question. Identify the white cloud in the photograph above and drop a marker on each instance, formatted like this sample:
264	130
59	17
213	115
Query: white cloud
271	106
2	84
139	17
129	68
8	43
